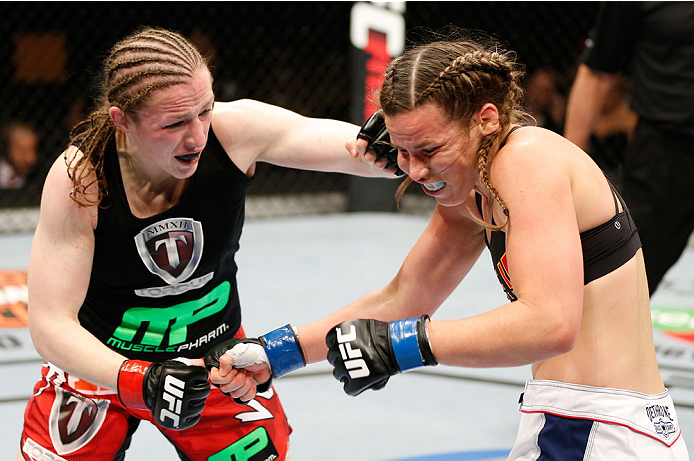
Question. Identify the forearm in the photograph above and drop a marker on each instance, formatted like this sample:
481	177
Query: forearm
379	305
319	145
70	347
140	384
512	335
435	266
585	103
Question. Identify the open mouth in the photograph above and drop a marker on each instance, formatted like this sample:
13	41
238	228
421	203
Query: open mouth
434	186
188	157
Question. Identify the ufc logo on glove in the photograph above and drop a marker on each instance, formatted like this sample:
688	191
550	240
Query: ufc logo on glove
352	357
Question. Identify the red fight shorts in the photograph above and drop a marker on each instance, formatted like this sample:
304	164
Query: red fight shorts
71	419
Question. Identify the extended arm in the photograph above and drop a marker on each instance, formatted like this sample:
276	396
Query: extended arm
437	263
251	131
440	259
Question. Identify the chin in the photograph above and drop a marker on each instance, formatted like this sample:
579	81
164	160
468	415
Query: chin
448	201
185	174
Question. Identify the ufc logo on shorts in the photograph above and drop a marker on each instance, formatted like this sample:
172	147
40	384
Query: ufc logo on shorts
351	357
173	393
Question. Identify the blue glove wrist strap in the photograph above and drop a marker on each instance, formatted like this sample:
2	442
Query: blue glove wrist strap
403	337
283	351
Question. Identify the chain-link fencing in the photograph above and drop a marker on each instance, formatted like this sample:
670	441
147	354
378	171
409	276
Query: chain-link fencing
292	54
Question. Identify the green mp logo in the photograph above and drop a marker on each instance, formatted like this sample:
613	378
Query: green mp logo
174	319
256	446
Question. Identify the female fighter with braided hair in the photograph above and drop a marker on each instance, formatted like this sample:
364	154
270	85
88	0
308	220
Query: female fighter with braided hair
132	263
564	247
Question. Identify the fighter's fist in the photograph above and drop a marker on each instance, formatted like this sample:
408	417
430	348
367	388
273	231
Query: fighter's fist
375	133
365	353
174	391
279	350
240	368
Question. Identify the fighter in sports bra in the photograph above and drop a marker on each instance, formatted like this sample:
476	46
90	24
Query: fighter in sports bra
605	247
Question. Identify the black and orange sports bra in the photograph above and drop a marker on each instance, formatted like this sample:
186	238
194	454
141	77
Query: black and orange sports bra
605	247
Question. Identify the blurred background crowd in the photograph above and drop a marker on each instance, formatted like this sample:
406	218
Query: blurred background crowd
293	54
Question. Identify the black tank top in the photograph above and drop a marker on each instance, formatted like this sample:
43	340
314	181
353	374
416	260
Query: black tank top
165	286
605	247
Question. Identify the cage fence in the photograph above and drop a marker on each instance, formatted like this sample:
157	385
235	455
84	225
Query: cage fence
292	54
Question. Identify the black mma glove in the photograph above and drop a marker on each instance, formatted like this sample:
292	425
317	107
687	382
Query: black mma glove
278	349
173	391
375	132
366	353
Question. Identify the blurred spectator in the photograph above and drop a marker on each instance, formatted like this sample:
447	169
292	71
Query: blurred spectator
651	43
18	154
544	100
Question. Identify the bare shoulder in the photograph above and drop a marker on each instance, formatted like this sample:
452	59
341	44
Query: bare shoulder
235	116
239	108
534	154
242	114
541	170
56	202
246	128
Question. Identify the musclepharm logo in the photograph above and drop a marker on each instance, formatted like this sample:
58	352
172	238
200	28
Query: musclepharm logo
171	248
254	446
351	357
173	395
175	319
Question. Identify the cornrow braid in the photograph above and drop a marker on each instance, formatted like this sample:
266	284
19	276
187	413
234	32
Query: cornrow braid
184	47
139	62
147	60
446	76
122	87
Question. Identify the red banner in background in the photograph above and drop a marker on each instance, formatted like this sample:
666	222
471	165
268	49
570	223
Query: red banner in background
378	31
376	65
14	297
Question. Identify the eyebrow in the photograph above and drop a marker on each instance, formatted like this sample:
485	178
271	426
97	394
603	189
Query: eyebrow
422	144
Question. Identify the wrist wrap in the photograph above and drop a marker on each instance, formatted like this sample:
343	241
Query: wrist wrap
410	342
131	384
283	351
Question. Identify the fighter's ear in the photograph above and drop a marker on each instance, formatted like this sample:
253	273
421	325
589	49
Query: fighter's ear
119	118
488	118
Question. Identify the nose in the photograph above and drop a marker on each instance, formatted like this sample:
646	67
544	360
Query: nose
418	169
196	138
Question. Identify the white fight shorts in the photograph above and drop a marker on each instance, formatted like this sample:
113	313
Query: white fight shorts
572	422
